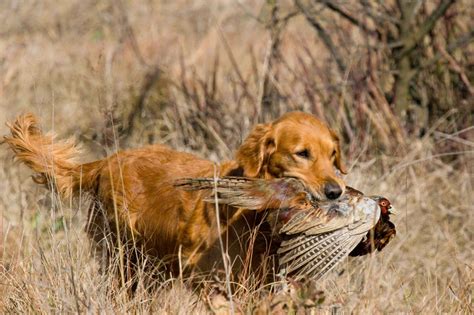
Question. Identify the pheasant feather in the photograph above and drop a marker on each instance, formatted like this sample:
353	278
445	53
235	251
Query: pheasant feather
316	235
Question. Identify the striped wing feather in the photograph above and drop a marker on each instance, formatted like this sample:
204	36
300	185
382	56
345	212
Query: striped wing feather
211	183
316	222
246	193
317	254
317	244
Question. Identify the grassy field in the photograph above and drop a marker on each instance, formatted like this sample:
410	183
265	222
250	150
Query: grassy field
122	74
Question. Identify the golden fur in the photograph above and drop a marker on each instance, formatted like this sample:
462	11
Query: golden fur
135	199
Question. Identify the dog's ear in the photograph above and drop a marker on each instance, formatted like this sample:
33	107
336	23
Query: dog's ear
255	150
338	160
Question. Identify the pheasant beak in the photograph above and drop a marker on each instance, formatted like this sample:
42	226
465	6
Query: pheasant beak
392	210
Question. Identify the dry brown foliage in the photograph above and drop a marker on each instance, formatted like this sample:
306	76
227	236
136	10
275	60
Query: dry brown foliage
118	74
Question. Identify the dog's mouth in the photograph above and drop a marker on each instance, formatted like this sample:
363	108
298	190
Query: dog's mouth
315	194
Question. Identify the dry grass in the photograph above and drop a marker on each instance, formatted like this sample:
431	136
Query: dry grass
86	67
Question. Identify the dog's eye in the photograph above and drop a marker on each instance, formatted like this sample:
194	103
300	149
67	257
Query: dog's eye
333	153
303	153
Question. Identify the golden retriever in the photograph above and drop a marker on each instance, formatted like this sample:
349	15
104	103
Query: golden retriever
135	200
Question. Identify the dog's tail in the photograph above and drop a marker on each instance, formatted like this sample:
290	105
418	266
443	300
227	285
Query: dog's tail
53	161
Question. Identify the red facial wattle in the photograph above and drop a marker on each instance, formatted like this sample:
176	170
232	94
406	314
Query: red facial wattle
384	206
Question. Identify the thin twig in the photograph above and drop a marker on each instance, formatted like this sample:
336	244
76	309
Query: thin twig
411	41
461	42
235	66
335	8
128	30
327	40
225	255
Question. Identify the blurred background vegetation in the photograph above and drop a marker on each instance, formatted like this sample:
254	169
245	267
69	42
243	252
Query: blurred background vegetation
393	78
378	72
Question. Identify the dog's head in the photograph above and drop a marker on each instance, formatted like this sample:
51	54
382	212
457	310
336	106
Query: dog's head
295	145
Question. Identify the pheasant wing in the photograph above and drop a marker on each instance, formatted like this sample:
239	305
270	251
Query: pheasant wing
326	216
318	240
253	194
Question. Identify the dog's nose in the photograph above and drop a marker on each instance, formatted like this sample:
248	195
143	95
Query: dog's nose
332	190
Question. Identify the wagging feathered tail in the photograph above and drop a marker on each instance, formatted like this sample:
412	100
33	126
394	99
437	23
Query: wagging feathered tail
55	162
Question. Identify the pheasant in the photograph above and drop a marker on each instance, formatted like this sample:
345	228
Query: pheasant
379	236
314	235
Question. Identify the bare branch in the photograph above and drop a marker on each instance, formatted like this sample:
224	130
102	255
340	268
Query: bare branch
324	37
335	8
384	15
461	42
128	32
234	63
153	76
267	99
412	41
456	68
